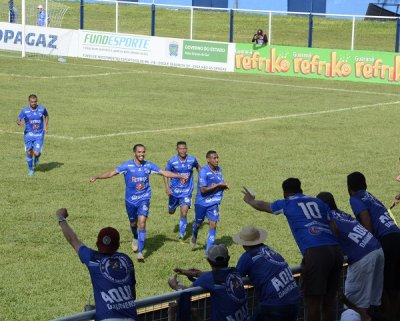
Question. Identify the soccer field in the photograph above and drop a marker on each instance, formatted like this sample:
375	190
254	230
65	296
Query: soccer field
265	129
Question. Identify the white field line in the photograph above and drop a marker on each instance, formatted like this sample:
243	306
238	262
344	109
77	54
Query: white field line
196	77
234	122
71	76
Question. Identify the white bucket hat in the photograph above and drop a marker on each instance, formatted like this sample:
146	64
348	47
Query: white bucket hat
250	235
40	6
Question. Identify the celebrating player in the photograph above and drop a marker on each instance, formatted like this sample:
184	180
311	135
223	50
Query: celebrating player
210	188
138	192
36	120
180	190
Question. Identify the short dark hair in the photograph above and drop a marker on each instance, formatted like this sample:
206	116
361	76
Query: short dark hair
328	198
181	142
356	181
210	152
259	32
292	186
138	145
32	96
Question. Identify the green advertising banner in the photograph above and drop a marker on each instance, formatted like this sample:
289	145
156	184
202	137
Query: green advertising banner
205	51
361	66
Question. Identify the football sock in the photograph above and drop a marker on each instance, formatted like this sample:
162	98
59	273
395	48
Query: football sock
134	229
210	238
182	227
195	229
36	161
29	160
142	237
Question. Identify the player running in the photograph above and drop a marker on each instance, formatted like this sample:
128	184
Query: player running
180	190
36	120
138	192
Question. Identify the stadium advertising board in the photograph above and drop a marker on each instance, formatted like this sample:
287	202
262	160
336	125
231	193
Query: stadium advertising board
48	41
155	50
361	66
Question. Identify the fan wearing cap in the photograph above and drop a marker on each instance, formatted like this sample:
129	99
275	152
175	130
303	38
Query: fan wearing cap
260	38
112	273
42	16
322	256
228	295
277	292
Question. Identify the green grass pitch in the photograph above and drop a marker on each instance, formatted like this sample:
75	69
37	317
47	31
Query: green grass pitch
265	129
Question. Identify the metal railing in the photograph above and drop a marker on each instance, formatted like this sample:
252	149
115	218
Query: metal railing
164	307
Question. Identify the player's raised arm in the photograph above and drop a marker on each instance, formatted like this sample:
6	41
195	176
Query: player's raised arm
68	232
104	175
169	174
250	199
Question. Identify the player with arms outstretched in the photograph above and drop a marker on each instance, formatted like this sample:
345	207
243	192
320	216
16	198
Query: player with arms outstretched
36	120
137	192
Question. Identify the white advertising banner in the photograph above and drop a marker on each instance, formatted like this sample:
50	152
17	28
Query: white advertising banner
48	41
172	52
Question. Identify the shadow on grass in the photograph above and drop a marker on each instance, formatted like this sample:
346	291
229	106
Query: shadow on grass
47	167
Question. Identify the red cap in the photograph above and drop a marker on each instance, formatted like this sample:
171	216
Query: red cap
108	240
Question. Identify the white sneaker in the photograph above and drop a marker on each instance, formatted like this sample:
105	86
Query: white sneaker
140	257
135	245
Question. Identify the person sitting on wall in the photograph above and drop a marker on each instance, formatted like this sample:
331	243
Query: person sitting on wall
260	38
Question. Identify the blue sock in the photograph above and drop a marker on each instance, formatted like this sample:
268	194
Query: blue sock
210	238
195	229
134	229
182	227
142	238
29	160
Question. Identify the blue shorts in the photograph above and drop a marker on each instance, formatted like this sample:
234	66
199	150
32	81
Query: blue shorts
133	211
36	145
174	202
201	212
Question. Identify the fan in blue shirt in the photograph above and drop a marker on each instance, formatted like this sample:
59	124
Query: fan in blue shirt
322	257
277	292
36	120
180	191
210	189
228	295
138	192
374	216
364	277
112	273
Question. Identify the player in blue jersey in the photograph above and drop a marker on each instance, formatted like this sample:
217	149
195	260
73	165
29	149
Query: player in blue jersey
36	120
374	216
112	273
277	293
180	190
364	277
138	192
228	295
322	257
210	189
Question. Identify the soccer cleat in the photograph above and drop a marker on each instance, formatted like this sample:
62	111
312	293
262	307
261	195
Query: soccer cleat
140	257
31	172
135	245
193	242
181	241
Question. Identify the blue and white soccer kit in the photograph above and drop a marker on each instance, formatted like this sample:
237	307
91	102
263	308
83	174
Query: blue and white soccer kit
41	18
181	189
137	193
229	301
207	204
34	130
113	278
